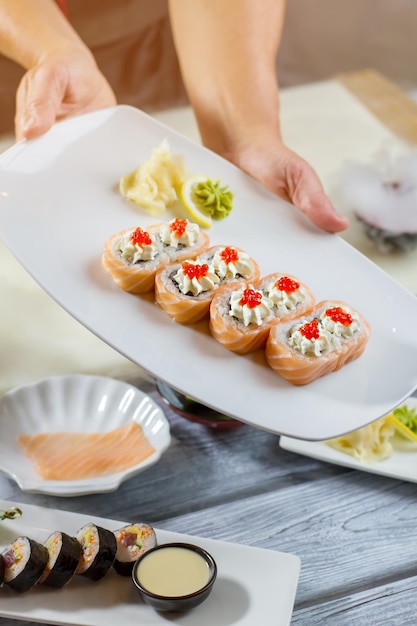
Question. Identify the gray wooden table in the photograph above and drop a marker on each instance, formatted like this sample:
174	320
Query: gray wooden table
354	532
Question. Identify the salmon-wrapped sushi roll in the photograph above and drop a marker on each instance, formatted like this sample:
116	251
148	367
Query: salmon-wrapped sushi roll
182	239
133	256
305	349
241	322
290	297
240	317
232	264
184	290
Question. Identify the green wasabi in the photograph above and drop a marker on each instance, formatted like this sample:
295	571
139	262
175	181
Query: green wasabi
215	200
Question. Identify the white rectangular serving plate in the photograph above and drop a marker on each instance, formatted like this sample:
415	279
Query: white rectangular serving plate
253	585
401	465
59	202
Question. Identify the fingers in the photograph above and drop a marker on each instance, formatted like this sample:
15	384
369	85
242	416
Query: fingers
62	86
322	213
290	177
38	101
308	195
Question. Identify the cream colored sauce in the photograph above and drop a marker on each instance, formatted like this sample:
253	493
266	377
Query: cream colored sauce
173	571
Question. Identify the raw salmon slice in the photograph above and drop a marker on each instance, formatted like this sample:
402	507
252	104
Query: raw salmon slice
75	456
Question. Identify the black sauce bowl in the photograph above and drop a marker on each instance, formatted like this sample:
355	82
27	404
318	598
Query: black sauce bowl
183	602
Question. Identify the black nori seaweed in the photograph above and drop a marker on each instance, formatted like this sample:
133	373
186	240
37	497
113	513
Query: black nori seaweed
1	569
124	568
66	563
34	567
105	556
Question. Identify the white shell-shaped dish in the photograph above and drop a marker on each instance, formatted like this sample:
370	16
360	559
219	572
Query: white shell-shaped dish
75	403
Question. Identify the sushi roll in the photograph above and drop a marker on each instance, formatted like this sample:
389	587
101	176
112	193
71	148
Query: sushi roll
64	557
240	317
307	348
290	297
231	264
182	239
185	290
98	551
132	257
132	541
24	562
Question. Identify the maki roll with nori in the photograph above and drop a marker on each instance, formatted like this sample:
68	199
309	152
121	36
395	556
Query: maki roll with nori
98	551
64	557
132	541
1	569
24	562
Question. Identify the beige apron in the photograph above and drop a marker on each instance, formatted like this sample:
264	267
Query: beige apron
132	43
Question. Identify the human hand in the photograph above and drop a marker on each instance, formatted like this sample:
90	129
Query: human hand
63	84
290	177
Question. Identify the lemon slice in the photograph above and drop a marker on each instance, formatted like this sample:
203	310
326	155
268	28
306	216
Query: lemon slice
191	203
402	428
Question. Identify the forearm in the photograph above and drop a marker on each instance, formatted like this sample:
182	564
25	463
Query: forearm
30	30
227	50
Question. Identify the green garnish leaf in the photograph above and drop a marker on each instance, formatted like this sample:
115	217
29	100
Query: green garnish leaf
407	416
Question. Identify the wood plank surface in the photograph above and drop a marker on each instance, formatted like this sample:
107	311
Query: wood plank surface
388	102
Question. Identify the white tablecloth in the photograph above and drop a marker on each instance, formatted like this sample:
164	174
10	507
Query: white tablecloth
322	122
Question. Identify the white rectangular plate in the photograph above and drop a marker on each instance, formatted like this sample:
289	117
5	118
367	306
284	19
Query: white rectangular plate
402	464
253	585
59	202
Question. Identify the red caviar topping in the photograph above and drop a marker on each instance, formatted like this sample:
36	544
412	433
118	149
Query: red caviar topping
140	237
178	227
195	271
287	284
251	298
337	314
310	330
229	255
